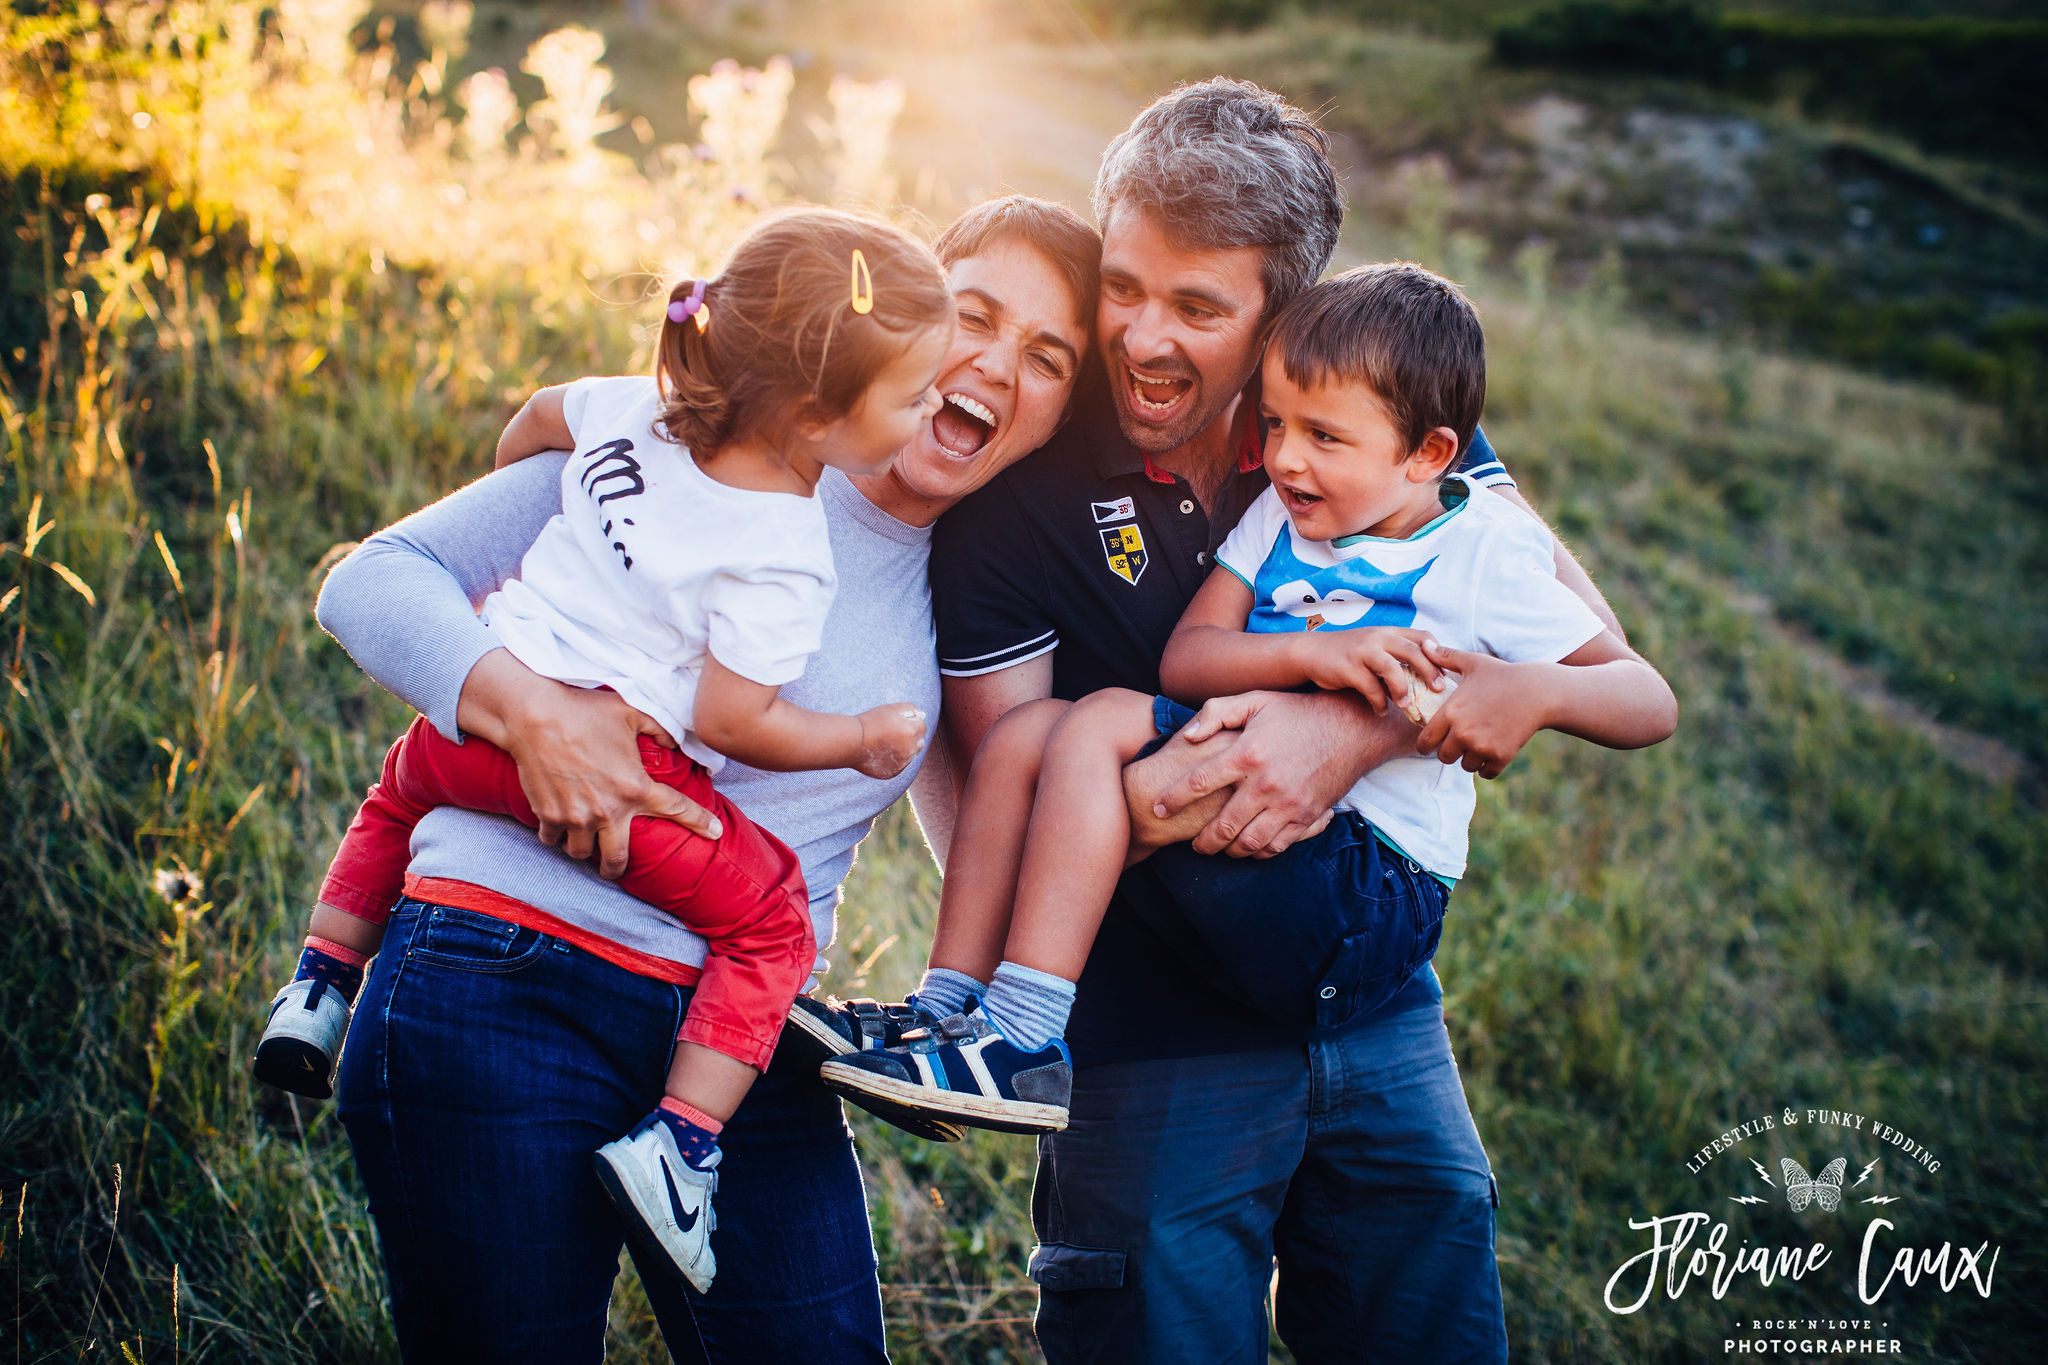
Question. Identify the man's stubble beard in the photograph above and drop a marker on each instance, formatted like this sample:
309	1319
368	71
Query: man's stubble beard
1164	441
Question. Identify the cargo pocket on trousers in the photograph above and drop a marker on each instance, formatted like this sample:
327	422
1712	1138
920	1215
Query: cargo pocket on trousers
1057	1267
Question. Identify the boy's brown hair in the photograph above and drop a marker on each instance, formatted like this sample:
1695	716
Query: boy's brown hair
783	337
1405	333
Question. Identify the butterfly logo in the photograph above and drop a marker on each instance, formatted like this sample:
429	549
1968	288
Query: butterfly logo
1824	1189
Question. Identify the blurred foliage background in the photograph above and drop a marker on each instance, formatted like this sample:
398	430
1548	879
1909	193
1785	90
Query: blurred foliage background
275	274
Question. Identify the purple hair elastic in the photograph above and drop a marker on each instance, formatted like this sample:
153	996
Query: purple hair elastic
680	310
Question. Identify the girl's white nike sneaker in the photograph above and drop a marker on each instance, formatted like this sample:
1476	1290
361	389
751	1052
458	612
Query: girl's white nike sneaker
308	1020
666	1201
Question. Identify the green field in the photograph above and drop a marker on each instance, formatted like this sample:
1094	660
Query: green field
295	301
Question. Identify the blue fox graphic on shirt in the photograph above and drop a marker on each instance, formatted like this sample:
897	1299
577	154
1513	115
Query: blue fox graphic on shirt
1294	595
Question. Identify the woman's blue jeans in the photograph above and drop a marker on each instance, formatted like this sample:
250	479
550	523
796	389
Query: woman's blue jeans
486	1063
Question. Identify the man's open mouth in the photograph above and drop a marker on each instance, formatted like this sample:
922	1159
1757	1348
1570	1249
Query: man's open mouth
962	426
1155	397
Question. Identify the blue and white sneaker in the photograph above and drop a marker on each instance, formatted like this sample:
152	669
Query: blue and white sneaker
834	1027
302	1039
960	1070
666	1201
818	1032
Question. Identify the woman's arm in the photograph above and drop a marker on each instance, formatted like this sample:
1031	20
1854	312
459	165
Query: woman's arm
403	605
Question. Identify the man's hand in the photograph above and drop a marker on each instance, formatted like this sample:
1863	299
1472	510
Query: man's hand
1495	710
1297	754
578	751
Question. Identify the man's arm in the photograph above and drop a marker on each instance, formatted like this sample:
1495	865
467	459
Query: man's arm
1569	571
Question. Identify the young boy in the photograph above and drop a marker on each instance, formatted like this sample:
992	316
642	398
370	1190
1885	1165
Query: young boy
1361	567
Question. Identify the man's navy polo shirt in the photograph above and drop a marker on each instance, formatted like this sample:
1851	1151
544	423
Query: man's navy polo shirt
1088	549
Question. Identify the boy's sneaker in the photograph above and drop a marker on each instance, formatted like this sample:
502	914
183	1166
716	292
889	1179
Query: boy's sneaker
834	1027
308	1020
819	1032
666	1201
959	1070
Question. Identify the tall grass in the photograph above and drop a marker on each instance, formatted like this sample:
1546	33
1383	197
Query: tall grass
236	336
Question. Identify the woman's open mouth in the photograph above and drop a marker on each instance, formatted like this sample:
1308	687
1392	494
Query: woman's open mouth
1155	400
962	426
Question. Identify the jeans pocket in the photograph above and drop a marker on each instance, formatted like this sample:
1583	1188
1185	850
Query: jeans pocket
470	941
1397	912
1056	1266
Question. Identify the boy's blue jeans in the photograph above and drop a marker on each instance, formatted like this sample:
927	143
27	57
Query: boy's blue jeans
1352	1160
485	1065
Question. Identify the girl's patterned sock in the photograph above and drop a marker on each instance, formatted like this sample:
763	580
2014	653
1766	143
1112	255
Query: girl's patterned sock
696	1132
326	960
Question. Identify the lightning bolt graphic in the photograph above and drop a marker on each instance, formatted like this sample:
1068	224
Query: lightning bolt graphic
1866	1174
1882	1199
1745	1199
1763	1173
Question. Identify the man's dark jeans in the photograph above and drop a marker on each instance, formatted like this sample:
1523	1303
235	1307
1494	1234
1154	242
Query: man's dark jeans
486	1063
1162	1208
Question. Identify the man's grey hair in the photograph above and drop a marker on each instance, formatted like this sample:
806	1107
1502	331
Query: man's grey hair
1227	163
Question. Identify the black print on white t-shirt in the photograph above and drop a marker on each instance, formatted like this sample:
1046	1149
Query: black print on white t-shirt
609	463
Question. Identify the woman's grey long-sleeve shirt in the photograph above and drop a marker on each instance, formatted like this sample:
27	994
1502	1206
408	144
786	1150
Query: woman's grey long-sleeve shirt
404	606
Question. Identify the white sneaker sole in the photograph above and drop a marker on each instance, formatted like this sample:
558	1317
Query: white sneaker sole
977	1111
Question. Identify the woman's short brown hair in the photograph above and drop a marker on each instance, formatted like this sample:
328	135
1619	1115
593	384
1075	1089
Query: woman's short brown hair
782	336
1058	233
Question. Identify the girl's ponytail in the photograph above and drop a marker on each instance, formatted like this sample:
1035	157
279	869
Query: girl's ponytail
813	304
697	407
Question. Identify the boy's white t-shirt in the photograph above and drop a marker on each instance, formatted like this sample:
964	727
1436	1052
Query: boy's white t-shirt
652	564
1481	577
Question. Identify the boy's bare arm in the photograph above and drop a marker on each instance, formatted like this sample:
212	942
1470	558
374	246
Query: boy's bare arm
1603	692
537	427
747	721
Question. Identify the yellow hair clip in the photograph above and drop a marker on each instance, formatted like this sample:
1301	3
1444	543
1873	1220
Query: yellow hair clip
863	284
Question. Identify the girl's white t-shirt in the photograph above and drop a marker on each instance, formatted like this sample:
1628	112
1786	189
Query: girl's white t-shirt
652	565
1481	577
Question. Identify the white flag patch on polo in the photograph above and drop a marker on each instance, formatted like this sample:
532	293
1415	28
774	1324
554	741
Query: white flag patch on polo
1123	509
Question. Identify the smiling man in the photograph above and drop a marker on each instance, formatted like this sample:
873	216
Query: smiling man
1210	1135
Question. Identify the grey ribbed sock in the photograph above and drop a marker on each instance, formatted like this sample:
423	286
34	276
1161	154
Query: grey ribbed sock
1027	1006
944	991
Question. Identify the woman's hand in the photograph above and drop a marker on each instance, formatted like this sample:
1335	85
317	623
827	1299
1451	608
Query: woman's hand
578	751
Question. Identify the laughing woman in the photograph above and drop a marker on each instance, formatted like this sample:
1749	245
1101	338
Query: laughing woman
519	1013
